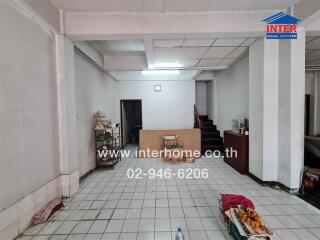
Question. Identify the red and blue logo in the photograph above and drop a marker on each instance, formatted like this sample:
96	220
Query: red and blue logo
282	26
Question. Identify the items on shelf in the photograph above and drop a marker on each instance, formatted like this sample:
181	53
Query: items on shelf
107	141
101	121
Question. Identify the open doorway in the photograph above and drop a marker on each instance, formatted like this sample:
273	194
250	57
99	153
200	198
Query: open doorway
131	121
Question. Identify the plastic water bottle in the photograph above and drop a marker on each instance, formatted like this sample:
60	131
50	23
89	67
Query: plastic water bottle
179	235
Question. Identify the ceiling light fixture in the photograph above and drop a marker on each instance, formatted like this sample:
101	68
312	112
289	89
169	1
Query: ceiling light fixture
160	72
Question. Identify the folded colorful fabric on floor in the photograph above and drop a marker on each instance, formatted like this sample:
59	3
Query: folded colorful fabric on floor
232	200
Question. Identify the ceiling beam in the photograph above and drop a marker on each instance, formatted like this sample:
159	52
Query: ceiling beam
116	26
148	45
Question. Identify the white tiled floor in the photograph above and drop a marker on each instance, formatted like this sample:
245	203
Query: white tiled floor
109	206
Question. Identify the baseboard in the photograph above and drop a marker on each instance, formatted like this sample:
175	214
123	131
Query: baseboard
17	217
274	184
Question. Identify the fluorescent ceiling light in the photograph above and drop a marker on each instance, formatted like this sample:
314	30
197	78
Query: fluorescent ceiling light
160	72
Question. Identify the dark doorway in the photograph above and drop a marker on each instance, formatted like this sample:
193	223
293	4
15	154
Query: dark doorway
131	121
307	115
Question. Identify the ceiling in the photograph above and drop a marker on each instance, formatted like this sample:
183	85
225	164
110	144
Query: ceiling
313	51
200	53
137	75
170	5
124	59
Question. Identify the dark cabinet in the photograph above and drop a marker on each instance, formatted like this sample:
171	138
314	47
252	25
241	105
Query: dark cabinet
236	147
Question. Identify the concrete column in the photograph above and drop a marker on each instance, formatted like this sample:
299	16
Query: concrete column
67	115
263	105
291	110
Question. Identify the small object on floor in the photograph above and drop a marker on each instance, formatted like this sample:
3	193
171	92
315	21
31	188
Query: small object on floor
276	187
179	234
231	200
44	214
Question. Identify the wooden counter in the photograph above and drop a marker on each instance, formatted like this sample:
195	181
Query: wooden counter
240	143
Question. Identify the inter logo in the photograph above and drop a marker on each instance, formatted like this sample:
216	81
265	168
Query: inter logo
281	26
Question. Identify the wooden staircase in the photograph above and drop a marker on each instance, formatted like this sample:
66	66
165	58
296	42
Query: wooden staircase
210	136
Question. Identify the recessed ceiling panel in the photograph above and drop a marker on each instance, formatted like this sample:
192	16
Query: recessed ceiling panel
209	62
188	62
249	42
262	4
137	76
218	52
228	42
166	54
192	52
314	44
165	43
239	52
118	46
228	62
171	5
198	42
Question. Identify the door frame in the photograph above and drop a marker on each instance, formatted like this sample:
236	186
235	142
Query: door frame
121	117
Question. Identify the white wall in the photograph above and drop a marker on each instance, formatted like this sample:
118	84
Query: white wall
29	148
232	94
201	97
29	155
172	108
95	91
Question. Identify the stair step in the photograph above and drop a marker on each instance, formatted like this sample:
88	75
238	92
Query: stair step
210	134
203	117
208	128
207	124
212	142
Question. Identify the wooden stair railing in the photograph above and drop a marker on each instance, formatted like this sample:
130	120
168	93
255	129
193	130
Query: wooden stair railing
197	121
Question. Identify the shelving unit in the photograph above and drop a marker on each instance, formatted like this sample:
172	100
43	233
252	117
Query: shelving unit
107	140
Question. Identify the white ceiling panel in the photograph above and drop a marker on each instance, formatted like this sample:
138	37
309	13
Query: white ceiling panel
216	5
249	42
192	52
136	76
309	39
209	62
198	42
117	5
67	5
239	52
188	62
262	4
218	52
171	5
118	46
166	43
197	5
314	44
228	62
166	54
153	5
175	5
228	42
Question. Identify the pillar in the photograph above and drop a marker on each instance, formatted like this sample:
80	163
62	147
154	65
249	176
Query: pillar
66	101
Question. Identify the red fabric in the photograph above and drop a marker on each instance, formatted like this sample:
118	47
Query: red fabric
231	200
